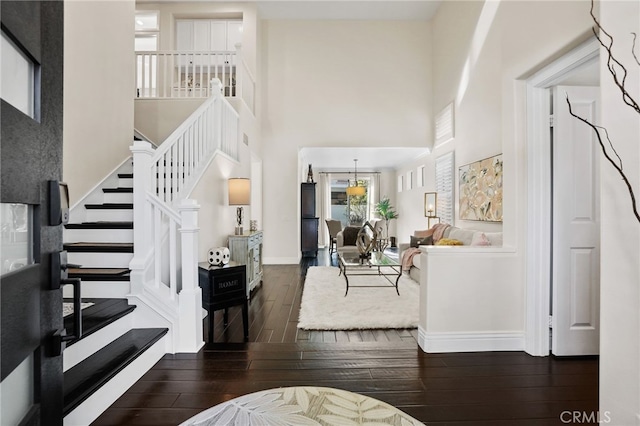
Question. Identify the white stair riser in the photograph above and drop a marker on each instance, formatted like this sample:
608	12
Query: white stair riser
100	260
99	401
91	344
125	182
98	235
116	215
100	289
118	197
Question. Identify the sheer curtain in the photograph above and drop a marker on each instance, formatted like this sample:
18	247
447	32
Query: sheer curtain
374	193
324	197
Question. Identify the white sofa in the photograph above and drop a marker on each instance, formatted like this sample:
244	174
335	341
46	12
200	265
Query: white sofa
468	237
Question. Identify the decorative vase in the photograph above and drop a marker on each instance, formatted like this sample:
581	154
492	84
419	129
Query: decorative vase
310	175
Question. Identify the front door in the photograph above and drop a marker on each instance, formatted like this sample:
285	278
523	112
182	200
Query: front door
31	154
576	224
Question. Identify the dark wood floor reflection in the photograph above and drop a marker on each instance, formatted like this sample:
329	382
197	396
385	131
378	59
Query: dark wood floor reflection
498	388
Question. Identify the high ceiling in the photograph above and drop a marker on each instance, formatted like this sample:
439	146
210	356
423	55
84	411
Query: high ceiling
421	10
341	158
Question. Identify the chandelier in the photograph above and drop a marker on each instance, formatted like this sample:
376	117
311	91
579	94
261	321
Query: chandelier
356	190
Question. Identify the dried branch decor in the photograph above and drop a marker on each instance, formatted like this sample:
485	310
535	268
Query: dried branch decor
619	74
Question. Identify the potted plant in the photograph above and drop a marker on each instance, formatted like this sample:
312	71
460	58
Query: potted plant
385	210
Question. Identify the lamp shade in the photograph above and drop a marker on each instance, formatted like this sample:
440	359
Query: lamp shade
239	191
356	190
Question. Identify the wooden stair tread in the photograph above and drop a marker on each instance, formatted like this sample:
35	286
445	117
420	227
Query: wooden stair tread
125	175
91	247
82	380
118	190
99	315
100	225
110	206
100	274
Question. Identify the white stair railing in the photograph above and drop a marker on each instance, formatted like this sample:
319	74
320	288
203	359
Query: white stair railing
165	228
184	74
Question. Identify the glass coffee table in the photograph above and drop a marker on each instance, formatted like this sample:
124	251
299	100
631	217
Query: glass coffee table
379	264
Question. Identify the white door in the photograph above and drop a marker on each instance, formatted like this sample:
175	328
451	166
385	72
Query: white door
576	224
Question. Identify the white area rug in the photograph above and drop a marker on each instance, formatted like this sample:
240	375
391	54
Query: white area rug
325	307
67	307
302	406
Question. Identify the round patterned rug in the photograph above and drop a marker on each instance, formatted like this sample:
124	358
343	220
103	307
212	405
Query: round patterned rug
301	406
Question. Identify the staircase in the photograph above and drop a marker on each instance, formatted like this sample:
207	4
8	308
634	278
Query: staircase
138	266
112	353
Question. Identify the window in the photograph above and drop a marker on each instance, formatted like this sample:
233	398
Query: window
146	40
349	210
16	249
420	177
18	78
444	126
444	187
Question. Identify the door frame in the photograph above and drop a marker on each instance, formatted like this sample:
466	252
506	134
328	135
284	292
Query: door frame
538	152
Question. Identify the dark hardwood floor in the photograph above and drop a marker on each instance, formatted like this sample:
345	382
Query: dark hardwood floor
497	388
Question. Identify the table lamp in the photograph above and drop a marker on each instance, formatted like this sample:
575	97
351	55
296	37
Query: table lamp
239	195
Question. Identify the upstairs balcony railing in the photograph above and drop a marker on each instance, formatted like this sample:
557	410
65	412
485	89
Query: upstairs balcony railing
188	74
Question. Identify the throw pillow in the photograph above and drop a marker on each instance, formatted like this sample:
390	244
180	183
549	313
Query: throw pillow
349	235
422	234
480	239
416	241
448	242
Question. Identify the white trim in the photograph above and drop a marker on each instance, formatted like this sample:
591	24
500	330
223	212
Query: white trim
536	103
470	342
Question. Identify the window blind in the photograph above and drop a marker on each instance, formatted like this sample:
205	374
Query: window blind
444	126
444	187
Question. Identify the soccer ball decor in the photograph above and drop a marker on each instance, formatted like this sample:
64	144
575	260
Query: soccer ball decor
219	256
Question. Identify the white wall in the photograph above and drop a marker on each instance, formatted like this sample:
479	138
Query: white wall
98	90
216	219
158	118
335	83
480	52
620	236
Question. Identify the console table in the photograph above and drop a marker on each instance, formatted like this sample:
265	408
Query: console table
247	249
223	287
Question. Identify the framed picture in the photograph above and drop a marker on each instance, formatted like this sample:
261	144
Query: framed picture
481	190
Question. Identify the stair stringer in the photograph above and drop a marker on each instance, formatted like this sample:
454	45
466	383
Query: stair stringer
95	194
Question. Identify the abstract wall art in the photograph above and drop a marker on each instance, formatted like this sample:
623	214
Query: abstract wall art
481	190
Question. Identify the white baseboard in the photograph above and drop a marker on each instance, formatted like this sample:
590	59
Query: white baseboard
97	403
469	342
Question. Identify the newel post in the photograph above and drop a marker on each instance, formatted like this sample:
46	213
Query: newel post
142	154
190	297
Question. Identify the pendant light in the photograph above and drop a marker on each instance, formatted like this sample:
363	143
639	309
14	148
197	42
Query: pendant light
356	190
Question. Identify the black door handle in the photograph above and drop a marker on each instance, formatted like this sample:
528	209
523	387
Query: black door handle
60	337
